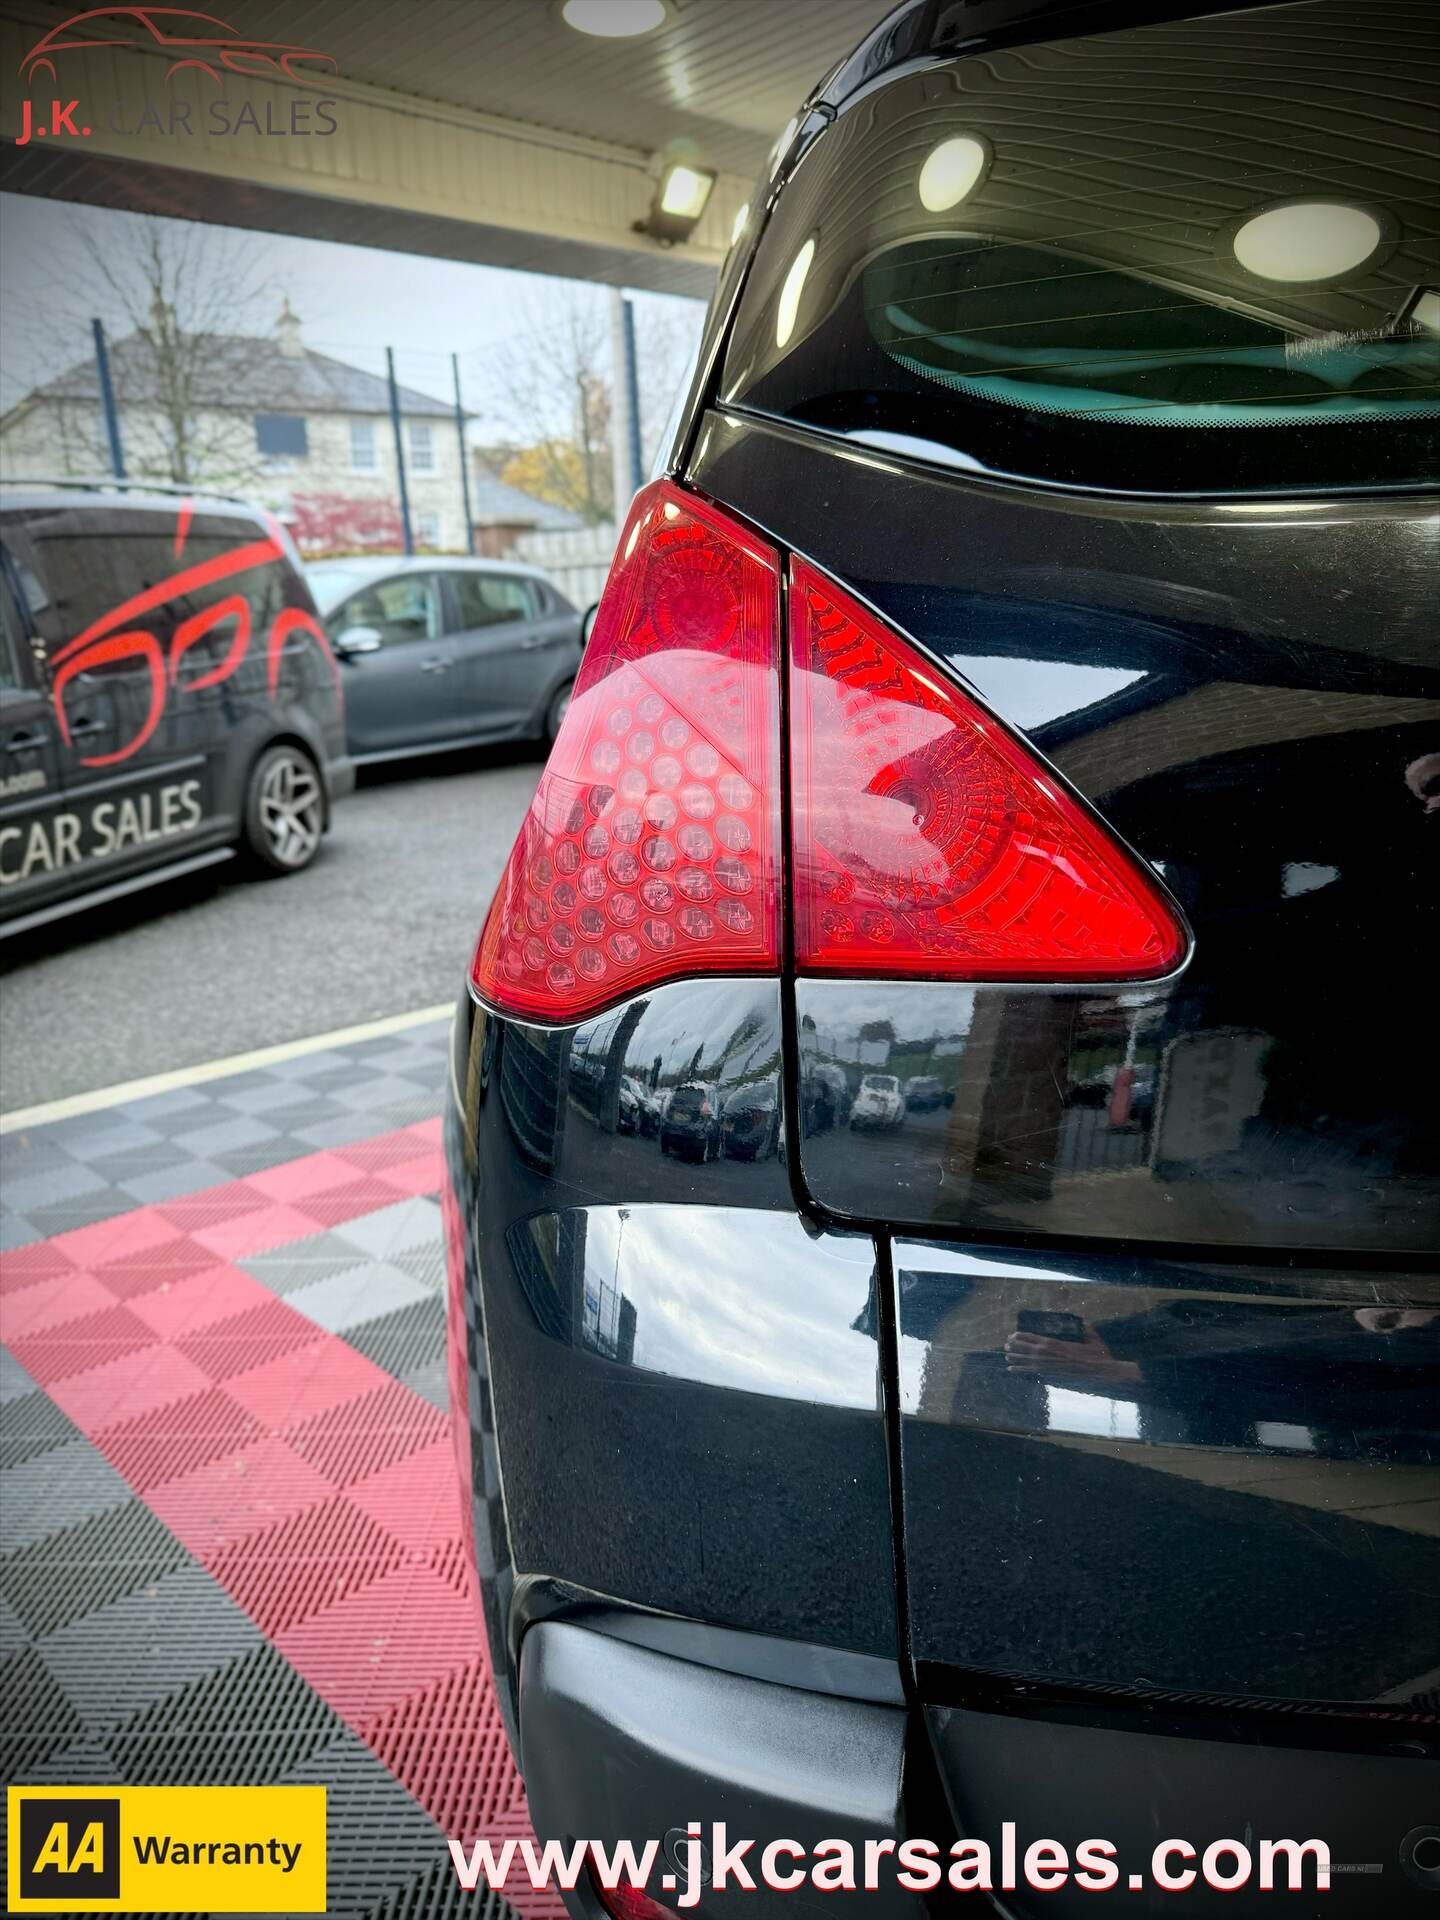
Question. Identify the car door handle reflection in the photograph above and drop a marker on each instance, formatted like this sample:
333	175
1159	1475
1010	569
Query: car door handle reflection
27	737
85	725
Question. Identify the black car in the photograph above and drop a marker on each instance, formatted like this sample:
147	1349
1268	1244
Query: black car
441	653
167	695
1026	665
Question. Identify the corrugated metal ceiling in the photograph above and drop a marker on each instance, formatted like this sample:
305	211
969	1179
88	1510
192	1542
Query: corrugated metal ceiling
723	74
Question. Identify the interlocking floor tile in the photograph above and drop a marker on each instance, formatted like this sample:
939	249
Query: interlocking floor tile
236	1495
299	1262
378	1836
176	1439
408	1341
57	1489
30	1424
120	1659
306	1562
397	1227
40	1719
250	1722
363	1292
358	1437
80	1568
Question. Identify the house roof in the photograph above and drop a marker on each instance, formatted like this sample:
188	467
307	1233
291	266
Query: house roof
246	373
494	499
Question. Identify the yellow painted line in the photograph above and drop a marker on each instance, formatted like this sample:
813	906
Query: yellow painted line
78	1103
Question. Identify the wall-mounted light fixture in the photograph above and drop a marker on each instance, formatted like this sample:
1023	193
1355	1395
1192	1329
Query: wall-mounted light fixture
681	196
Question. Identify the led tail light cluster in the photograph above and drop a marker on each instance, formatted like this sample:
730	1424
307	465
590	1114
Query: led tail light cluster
652	847
925	841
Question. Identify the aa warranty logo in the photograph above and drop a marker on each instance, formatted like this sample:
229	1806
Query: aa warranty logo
167	1849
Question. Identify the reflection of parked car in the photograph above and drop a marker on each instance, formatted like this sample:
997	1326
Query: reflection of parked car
824	1096
750	1121
166	695
924	1092
691	1126
879	1103
446	653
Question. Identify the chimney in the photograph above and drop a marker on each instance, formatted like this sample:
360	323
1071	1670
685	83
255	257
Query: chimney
287	333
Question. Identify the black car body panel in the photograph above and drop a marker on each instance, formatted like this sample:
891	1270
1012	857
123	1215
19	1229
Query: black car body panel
155	647
1199	673
1146	1273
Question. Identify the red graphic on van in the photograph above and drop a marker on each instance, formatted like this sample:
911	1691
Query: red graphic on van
116	637
198	41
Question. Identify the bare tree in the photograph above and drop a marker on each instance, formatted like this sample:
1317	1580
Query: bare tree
182	304
552	394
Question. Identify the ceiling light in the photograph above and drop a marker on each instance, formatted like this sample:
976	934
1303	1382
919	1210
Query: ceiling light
682	195
613	19
952	172
788	305
1315	240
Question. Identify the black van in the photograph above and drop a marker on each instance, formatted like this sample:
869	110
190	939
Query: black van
167	695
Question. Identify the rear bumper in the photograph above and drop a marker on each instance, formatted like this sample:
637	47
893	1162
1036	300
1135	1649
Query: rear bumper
623	1743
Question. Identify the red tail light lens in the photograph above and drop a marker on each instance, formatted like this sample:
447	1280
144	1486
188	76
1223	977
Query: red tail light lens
652	847
926	841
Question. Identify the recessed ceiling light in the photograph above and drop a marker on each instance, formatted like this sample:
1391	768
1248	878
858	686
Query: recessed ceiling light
952	172
1308	241
613	19
787	308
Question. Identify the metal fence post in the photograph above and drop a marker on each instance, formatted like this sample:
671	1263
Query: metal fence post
399	451
107	401
464	461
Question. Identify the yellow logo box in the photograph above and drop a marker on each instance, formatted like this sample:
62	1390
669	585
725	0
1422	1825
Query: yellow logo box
167	1849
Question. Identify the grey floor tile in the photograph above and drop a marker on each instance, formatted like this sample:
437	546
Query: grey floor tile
394	1229
149	1644
190	1176
54	1490
349	1299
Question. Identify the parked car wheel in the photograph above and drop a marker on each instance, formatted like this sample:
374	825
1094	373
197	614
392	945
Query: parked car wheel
284	809
556	711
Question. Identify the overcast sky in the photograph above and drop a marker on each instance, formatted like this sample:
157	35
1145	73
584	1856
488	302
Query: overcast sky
353	302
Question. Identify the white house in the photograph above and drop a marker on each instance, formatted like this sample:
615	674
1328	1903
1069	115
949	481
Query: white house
308	435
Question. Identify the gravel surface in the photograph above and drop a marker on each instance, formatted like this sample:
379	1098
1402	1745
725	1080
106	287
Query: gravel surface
218	964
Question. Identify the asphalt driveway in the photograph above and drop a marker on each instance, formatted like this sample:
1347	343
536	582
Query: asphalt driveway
219	964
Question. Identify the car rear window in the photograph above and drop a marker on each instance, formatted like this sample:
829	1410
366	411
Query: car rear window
1192	256
687	1103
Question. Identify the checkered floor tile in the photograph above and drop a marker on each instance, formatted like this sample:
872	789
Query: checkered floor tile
229	1526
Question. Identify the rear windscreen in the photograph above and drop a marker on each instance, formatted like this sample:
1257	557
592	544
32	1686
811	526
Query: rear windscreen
1193	256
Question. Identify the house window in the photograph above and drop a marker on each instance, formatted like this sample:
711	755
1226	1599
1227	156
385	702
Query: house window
422	446
427	529
362	447
281	436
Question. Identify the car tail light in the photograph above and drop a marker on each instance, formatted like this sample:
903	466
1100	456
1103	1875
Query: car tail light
652	847
926	841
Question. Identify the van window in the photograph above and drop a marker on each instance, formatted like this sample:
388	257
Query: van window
1178	257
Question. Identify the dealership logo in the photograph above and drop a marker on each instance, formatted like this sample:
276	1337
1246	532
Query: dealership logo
196	43
69	1849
